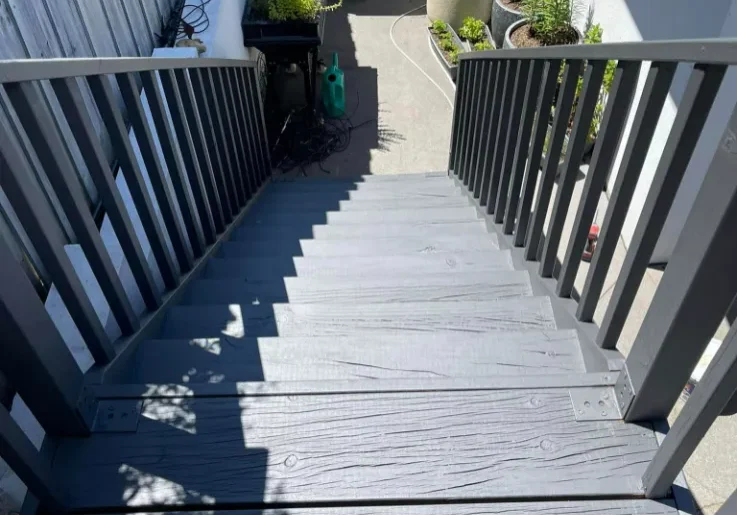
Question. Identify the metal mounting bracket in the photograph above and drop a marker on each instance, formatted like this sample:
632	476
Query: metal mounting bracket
594	403
117	416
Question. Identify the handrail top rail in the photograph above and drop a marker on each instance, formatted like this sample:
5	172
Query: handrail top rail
19	70
709	51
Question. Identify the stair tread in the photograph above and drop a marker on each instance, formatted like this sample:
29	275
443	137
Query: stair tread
358	247
421	229
422	186
258	269
274	215
409	176
300	203
371	356
241	320
389	287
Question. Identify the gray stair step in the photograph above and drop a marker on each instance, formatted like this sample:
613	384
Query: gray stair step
387	288
239	320
409	356
355	231
259	269
270	216
423	186
357	247
329	202
394	177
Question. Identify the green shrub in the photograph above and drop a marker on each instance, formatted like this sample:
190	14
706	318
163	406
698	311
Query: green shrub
289	10
482	45
551	21
453	55
472	30
447	44
439	27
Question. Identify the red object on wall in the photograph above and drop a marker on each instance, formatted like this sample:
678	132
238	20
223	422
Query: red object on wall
588	251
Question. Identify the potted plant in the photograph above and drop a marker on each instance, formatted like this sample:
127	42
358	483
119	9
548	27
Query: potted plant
475	35
453	12
446	44
274	22
503	14
545	23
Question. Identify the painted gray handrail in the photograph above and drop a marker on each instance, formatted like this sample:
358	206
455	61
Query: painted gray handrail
709	51
207	110
18	70
506	149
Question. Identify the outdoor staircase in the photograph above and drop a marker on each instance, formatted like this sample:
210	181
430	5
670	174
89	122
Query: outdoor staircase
362	342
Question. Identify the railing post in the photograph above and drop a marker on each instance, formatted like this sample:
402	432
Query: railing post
697	100
495	87
457	110
259	121
482	120
506	76
694	293
469	123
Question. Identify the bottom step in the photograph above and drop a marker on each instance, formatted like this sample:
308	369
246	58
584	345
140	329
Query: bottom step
358	448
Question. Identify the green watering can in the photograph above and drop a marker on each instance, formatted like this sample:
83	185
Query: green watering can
333	90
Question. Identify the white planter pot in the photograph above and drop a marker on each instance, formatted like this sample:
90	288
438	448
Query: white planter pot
454	11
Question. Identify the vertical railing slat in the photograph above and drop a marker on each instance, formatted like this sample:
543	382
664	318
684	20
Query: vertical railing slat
699	283
249	142
131	97
593	76
215	101
537	144
500	132
259	121
229	136
475	122
481	124
510	139
24	460
483	147
34	356
210	127
70	98
458	103
497	87
170	149
645	120
49	148
186	145
107	106
532	91
695	105
193	115
612	126
223	81
240	131
469	120
552	156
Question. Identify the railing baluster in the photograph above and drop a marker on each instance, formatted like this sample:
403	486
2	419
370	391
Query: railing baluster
45	235
475	126
139	122
532	90
482	124
59	169
593	76
552	156
699	283
24	460
696	103
469	120
34	357
259	121
612	126
499	132
244	175
539	131
70	98
496	103
170	150
103	94
230	137
229	167
250	167
645	120
197	78
730	505
185	137
242	110
483	148
194	116
458	107
510	139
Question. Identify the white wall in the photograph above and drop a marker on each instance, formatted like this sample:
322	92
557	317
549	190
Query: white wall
224	36
645	20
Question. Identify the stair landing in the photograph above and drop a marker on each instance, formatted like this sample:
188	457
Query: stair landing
361	348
